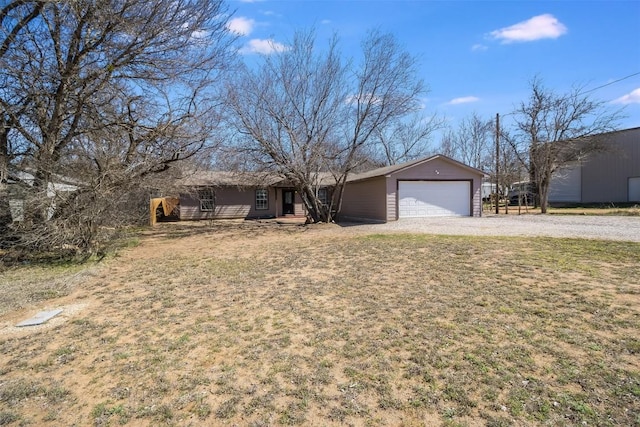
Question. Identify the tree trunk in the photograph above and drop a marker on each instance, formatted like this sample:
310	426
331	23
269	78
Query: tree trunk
4	153
5	209
543	194
340	187
310	201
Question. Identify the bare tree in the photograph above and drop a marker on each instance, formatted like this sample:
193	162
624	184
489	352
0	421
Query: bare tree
448	143
14	17
475	139
106	91
555	130
471	143
5	212
305	112
511	169
406	138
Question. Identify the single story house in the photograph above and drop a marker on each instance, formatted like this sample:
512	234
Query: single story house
433	186
228	195
611	175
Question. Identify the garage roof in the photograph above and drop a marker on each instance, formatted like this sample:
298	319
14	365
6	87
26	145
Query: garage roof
388	170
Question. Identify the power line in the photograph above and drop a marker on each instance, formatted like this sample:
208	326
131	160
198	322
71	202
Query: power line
610	83
594	89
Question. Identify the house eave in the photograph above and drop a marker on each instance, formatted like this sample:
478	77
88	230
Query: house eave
389	171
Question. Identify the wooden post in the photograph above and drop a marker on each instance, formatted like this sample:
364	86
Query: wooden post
497	162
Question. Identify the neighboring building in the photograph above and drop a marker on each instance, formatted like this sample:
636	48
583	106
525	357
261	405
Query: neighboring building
434	186
20	183
490	188
608	176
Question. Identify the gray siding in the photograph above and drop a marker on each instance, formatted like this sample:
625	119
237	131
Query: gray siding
365	199
230	203
634	189
605	175
566	185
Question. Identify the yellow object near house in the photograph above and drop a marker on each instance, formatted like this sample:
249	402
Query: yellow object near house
168	205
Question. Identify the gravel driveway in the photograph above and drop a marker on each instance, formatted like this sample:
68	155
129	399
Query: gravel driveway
587	227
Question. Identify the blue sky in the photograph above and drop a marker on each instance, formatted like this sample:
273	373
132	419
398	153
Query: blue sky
475	56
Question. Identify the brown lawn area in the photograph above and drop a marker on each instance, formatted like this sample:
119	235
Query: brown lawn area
597	211
262	324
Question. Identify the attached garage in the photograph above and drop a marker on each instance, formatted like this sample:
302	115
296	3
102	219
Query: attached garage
430	187
419	199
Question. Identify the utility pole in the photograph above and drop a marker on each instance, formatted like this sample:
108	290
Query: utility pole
497	163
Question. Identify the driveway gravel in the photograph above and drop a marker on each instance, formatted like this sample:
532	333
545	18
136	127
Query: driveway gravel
577	226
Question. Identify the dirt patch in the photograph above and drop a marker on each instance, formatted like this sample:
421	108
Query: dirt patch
270	324
8	326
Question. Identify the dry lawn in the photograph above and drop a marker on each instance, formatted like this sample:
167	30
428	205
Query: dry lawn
594	211
254	324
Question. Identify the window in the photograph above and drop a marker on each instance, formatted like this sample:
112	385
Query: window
323	196
262	199
207	199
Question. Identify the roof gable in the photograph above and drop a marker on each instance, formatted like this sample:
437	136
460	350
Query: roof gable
390	170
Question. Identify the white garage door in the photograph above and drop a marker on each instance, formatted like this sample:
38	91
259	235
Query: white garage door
418	199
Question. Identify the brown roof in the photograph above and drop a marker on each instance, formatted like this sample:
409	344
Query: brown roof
271	179
225	179
243	179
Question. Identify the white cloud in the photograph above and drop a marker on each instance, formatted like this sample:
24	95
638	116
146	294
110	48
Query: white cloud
539	27
325	21
479	47
200	34
364	98
264	46
632	97
241	25
424	102
463	100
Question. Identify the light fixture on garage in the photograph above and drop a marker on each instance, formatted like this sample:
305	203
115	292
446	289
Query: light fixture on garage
437	172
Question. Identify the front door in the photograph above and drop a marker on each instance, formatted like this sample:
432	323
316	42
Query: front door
287	202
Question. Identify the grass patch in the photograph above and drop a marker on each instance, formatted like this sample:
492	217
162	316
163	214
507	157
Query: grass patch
102	413
595	209
253	325
7	418
26	285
